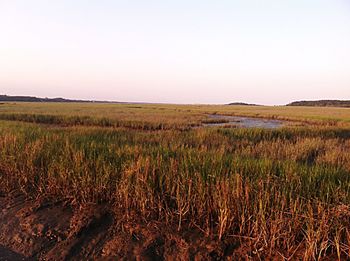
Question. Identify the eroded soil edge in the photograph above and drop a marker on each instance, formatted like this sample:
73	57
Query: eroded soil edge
38	229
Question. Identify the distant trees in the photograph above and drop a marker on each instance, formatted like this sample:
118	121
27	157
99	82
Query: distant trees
7	98
242	104
322	103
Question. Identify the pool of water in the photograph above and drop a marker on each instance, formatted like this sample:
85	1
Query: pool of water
244	122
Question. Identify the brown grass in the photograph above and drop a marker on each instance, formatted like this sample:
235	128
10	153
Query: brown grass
282	191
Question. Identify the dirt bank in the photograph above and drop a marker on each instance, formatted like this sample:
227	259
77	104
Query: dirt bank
38	229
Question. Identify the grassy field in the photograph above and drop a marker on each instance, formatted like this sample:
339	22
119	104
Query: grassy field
284	191
163	114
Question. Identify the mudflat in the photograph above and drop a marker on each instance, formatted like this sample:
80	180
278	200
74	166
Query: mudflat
246	122
7	255
38	229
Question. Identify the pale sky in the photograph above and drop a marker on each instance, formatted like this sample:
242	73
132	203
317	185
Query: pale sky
180	51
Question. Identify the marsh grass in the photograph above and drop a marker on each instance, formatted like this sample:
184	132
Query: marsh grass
282	191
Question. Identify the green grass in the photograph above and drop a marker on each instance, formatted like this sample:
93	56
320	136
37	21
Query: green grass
282	190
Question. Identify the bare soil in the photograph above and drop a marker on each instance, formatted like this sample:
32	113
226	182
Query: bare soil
39	229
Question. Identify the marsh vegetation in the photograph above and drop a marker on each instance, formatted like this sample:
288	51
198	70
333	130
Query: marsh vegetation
267	193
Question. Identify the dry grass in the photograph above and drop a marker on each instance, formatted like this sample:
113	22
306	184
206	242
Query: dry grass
175	114
282	191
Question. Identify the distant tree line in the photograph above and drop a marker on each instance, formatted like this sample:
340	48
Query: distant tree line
242	104
7	98
322	103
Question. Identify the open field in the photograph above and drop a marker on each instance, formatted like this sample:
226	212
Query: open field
166	188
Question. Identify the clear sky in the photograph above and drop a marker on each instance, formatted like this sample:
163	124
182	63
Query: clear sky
179	51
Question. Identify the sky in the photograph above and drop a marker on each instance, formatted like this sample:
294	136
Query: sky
185	51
